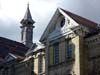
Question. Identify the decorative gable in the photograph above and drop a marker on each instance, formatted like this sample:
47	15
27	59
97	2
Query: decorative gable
61	28
65	22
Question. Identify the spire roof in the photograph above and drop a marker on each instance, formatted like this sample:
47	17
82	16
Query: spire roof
27	16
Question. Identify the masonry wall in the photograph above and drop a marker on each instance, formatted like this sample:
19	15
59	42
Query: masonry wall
17	68
80	65
93	46
65	65
39	63
77	65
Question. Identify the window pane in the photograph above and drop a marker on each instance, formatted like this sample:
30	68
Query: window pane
56	53
69	49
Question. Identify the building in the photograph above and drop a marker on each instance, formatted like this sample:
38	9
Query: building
26	58
14	65
71	45
27	28
36	50
12	55
38	53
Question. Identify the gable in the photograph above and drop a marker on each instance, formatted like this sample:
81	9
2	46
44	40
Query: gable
56	19
74	19
50	25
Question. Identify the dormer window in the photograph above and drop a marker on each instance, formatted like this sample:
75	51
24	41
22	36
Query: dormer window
62	22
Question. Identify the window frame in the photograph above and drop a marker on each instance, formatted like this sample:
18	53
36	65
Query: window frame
69	49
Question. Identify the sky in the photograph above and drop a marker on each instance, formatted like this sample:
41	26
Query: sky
12	12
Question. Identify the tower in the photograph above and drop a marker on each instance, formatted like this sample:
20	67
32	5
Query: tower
27	28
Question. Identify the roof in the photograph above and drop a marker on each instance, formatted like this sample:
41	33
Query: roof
9	46
27	58
81	20
38	47
35	48
78	19
27	16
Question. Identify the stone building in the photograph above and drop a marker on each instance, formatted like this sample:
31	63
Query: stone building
36	50
14	65
39	60
38	53
26	58
71	45
12	55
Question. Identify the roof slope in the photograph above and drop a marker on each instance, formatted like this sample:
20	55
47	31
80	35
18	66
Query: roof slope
9	46
81	20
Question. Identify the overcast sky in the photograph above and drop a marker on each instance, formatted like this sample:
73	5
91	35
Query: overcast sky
12	11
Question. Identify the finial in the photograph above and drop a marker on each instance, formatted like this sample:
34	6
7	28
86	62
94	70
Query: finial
28	4
27	16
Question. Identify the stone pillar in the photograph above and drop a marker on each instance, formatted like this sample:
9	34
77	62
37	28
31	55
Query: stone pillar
80	56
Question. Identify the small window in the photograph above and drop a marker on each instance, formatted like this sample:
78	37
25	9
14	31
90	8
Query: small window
62	22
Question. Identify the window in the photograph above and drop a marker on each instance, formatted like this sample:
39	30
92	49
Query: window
69	49
56	53
62	22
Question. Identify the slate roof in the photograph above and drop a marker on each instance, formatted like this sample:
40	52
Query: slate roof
9	46
81	20
27	16
11	57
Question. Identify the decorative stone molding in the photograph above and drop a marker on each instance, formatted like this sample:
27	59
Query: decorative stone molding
93	40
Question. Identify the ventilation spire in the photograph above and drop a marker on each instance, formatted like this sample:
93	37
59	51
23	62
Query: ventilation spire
27	16
27	28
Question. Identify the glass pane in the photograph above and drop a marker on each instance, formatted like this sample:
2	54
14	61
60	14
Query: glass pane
56	53
69	49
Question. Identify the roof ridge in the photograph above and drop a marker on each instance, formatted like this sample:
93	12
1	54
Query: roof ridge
80	19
